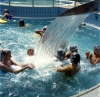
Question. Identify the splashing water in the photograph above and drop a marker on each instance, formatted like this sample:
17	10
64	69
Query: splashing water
58	34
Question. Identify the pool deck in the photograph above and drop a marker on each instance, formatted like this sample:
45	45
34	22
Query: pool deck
69	5
92	92
58	5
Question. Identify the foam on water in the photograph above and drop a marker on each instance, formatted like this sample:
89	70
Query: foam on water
45	81
58	34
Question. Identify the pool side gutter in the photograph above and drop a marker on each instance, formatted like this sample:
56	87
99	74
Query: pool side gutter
92	25
92	92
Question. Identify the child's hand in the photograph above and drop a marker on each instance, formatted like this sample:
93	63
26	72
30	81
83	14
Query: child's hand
87	54
90	56
31	66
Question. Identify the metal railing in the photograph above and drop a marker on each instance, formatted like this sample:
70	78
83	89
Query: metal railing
41	3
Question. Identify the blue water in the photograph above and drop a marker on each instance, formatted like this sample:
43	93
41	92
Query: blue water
45	82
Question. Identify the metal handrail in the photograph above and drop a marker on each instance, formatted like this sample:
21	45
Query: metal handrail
53	2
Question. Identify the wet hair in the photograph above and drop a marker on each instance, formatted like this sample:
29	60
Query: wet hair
44	28
21	23
3	53
73	48
61	54
75	58
30	49
6	10
98	48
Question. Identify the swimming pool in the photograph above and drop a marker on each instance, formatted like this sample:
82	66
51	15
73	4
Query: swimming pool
46	82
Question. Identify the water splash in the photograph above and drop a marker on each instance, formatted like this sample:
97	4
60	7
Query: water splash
58	34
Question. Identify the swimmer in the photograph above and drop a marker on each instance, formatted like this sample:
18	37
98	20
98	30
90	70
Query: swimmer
41	32
7	15
94	58
73	49
60	54
83	24
8	65
21	23
73	68
30	52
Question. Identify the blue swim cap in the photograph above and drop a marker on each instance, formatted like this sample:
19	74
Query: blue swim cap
75	58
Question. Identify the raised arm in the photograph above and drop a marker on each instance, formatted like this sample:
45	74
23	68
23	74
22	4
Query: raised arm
67	56
62	69
94	62
39	32
17	64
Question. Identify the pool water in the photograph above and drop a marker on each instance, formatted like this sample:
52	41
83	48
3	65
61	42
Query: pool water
45	82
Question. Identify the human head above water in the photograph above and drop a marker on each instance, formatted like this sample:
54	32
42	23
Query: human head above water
21	23
75	58
30	51
44	28
73	48
4	54
97	50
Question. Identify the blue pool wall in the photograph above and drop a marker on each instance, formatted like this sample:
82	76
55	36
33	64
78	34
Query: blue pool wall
32	12
45	12
94	18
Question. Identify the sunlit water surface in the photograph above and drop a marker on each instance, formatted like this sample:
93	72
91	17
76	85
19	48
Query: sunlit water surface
45	82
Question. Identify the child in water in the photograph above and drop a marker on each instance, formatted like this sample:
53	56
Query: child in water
29	59
21	23
30	52
8	65
74	67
